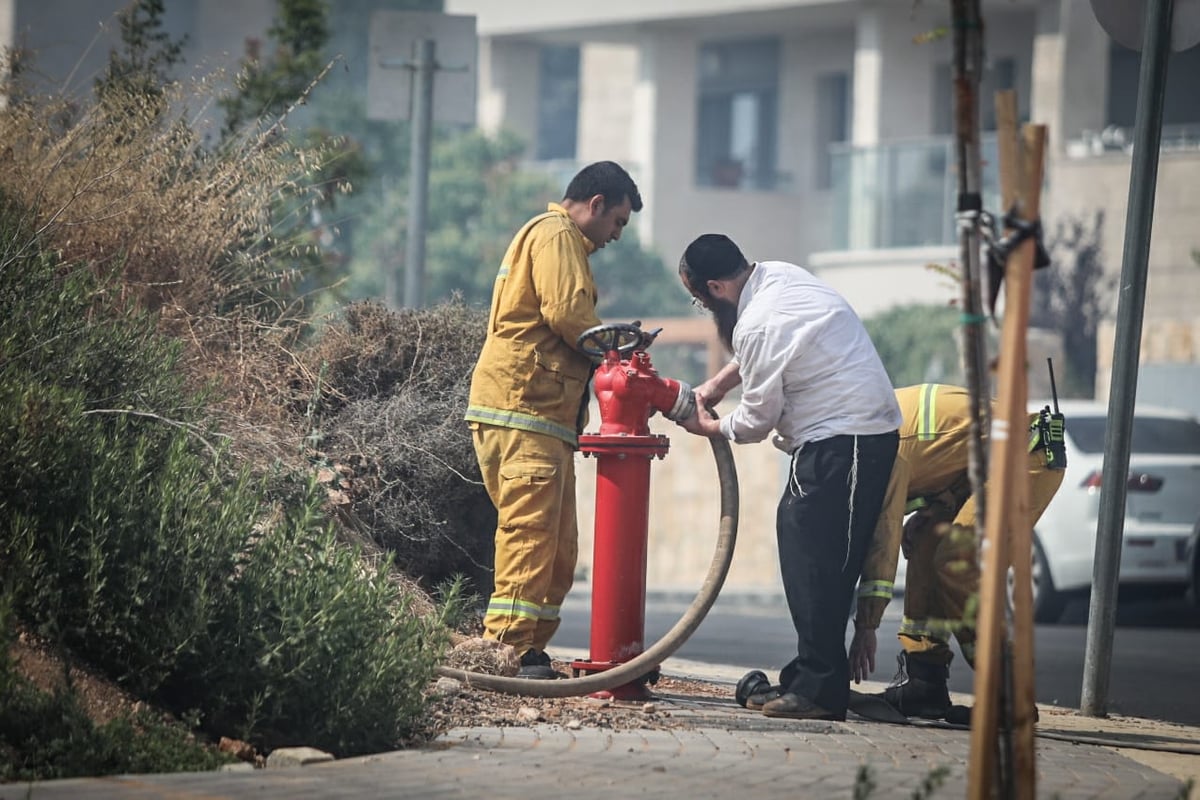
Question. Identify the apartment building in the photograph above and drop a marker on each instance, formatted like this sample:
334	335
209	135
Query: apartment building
819	131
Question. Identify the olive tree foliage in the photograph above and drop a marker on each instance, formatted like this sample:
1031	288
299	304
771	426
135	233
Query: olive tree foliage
1073	296
142	65
267	85
633	282
918	343
274	83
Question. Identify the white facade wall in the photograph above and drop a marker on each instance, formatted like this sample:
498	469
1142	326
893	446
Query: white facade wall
608	79
1082	186
508	87
217	32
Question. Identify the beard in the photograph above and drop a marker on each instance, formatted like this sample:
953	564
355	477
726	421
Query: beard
725	316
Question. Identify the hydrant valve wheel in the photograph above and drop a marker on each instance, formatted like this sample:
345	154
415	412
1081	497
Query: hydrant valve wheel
602	339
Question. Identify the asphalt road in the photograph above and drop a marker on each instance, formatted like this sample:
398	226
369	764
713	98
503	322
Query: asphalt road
1155	664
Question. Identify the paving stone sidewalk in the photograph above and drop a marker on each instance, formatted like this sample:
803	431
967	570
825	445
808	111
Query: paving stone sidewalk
720	750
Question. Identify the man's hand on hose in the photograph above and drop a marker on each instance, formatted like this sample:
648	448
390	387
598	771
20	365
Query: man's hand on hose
703	423
862	654
708	394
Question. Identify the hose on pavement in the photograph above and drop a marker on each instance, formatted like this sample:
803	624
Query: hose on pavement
646	662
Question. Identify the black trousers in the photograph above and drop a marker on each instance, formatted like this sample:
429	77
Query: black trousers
824	525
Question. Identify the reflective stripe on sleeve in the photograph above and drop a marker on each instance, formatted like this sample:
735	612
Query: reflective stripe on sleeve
876	589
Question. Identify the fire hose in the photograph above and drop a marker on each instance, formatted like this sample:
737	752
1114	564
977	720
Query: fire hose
647	661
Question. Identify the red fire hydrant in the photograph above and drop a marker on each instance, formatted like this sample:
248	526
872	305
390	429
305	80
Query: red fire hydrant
628	391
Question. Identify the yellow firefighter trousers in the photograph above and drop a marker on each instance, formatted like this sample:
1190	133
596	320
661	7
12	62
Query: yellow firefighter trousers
531	480
943	574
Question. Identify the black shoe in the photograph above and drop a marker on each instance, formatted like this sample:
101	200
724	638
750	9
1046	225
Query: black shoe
919	689
793	706
535	665
751	683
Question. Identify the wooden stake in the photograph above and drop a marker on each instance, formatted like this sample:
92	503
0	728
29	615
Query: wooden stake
1020	527
1007	457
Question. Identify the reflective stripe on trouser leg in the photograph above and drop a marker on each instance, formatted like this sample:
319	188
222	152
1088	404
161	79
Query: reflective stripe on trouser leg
528	475
957	568
943	574
565	557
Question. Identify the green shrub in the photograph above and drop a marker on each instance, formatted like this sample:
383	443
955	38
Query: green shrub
918	343
48	735
45	735
314	646
132	541
118	523
136	266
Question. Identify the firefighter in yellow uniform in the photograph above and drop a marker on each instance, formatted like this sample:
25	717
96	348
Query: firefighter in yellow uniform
930	481
528	404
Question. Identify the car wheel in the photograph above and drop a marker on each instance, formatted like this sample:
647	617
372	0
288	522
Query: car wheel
1194	578
1048	602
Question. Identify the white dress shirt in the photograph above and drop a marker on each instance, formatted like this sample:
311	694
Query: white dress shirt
809	370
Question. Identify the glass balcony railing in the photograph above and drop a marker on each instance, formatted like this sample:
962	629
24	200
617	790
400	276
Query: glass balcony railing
901	193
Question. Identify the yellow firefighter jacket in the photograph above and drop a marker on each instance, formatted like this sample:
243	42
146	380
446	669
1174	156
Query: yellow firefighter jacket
932	461
530	375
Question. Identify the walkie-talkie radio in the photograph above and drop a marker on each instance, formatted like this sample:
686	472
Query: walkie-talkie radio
1050	428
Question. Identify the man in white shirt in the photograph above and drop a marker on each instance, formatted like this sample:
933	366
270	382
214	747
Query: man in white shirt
810	374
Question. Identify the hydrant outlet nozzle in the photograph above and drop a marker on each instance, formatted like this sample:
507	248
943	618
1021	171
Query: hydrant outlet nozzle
685	404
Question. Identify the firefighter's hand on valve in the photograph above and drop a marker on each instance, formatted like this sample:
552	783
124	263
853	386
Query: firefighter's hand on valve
862	653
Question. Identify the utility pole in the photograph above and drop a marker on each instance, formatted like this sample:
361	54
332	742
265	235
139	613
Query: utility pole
1147	138
412	41
423	66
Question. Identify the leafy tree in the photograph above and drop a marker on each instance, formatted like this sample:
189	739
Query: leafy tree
634	282
268	86
142	65
1073	296
479	196
918	343
273	86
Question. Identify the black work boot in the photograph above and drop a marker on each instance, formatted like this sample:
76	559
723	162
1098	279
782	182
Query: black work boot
919	689
535	664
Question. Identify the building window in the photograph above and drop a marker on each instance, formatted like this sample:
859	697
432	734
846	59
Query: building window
833	121
558	102
1181	101
738	114
1000	74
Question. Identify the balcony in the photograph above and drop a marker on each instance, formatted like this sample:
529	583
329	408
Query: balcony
901	194
1119	140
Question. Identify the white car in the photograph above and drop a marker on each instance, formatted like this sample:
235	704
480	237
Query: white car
1162	507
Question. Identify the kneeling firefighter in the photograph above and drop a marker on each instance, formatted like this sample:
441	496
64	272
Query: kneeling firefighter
930	481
